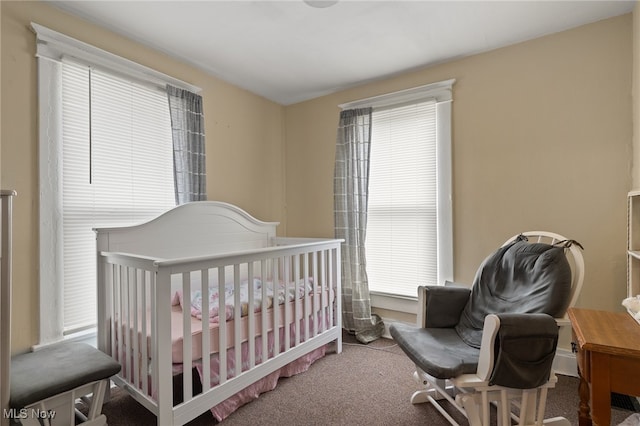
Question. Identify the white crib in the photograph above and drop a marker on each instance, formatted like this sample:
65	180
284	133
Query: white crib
195	251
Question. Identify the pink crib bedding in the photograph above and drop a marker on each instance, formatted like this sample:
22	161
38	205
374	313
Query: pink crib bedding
177	354
292	308
266	384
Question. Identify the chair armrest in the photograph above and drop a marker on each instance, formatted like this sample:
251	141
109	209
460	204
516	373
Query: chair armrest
441	306
517	350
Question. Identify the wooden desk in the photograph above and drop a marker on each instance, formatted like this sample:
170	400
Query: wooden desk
608	345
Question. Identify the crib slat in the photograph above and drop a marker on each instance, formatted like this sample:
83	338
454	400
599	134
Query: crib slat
154	334
285	299
316	301
276	311
162	349
206	327
296	304
222	326
144	368
251	317
117	318
263	311
323	300
186	336
325	291
113	313
134	306
237	319
307	300
126	321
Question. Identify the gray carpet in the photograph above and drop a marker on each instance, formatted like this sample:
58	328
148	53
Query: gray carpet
364	385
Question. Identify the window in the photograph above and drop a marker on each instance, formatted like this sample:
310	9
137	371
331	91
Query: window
402	217
105	159
117	170
409	229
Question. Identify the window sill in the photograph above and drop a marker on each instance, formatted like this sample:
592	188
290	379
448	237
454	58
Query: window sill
89	336
394	302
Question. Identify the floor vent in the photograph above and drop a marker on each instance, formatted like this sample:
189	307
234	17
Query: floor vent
625	402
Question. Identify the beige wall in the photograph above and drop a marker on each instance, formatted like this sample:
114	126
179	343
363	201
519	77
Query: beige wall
636	94
0	100
541	140
244	140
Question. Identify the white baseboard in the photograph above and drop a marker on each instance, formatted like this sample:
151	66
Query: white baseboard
564	363
387	322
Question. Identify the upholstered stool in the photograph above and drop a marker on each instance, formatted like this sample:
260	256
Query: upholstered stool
46	383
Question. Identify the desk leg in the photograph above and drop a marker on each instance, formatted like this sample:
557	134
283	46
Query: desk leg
584	413
600	389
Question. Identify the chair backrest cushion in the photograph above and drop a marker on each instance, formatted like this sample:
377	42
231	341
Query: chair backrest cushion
520	277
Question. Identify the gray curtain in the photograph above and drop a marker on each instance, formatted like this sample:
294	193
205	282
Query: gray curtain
351	181
187	129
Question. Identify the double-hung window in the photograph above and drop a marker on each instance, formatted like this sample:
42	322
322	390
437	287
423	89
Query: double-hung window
106	159
117	169
409	226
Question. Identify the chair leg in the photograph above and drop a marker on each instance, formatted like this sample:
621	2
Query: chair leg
532	404
470	405
430	392
476	405
504	409
434	388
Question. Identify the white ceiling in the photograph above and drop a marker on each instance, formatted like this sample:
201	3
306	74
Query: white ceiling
288	51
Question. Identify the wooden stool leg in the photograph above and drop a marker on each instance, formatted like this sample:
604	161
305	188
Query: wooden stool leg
97	399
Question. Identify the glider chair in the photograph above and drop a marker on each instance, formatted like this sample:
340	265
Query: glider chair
493	344
42	387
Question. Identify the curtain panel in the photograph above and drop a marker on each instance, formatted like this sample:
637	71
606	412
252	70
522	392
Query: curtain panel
351	180
187	128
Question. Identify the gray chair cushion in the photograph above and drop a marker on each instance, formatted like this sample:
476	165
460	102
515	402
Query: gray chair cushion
56	369
444	304
439	352
520	277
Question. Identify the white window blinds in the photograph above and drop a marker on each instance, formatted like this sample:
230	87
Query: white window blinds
117	170
402	225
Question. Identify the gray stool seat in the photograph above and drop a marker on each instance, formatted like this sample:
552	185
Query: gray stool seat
56	369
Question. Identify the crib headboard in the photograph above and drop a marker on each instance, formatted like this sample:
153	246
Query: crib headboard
191	229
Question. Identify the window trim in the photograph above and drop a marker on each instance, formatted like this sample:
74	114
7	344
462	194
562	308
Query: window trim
52	47
442	92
